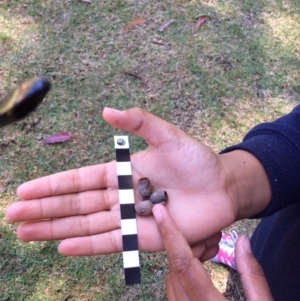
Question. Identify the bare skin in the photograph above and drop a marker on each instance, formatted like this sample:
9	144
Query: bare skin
188	280
207	192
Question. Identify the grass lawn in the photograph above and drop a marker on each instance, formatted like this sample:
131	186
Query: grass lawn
239	68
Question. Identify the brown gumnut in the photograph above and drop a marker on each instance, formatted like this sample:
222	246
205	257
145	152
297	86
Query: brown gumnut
159	197
144	208
145	188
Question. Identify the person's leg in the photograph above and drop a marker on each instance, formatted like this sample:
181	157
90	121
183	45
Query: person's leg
276	245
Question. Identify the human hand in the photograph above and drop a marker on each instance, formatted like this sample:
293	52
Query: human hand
187	279
81	208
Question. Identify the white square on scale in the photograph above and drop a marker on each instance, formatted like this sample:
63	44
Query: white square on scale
126	196
128	226
131	259
124	169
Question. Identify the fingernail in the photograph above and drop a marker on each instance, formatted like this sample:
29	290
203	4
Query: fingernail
158	215
246	244
112	110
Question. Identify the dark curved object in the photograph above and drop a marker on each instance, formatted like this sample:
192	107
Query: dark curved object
23	100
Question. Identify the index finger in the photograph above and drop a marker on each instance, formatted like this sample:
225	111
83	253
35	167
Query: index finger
174	242
187	268
72	181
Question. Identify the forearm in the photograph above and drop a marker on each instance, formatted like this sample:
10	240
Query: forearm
248	184
270	181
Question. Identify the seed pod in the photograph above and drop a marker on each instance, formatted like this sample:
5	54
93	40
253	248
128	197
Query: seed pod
159	197
144	208
145	188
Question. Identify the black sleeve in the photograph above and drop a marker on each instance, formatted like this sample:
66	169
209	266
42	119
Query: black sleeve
277	146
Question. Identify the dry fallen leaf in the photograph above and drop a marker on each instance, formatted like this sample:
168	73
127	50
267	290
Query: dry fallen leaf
200	21
136	21
163	26
86	1
57	137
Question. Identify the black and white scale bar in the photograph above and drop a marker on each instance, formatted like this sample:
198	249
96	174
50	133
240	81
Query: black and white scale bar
131	261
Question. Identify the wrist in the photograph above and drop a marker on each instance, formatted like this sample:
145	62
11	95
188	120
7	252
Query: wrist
247	183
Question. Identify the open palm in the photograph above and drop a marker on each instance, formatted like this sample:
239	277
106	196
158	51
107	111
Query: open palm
81	207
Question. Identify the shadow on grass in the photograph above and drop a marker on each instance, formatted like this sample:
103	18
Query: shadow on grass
23	265
36	271
234	289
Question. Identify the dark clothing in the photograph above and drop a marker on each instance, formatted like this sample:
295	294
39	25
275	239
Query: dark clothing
276	241
276	245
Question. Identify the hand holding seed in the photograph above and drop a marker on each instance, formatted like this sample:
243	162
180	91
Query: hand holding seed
150	198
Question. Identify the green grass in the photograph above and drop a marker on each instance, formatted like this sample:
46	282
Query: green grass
238	69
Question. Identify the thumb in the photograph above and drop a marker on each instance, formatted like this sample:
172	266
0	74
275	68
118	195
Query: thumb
252	276
143	124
